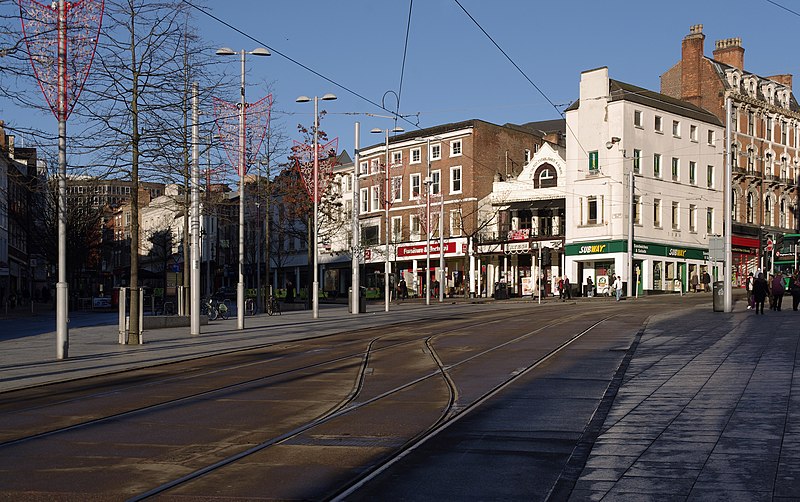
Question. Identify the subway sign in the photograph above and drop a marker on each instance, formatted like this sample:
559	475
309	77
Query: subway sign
641	248
593	248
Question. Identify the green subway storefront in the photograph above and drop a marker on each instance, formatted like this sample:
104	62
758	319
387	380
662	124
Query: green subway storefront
658	267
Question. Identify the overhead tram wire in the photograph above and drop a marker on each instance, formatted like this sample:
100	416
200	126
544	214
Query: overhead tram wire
403	66
298	63
560	113
787	9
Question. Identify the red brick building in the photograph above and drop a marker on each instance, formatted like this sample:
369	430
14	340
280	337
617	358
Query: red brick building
465	159
765	142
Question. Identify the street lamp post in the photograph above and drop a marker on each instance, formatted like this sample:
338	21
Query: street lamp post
315	285
387	200
260	51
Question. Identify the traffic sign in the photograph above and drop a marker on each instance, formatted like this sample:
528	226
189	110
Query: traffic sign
769	245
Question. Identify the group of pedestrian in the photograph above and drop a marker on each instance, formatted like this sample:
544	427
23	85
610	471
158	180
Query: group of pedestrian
772	288
564	290
700	283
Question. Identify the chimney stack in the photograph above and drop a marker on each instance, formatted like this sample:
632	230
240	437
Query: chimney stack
730	52
785	79
691	56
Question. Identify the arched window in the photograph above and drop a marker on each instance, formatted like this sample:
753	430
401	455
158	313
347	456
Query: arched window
768	211
782	215
734	205
545	176
750	208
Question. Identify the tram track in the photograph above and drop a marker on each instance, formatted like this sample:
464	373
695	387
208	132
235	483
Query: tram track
350	403
450	412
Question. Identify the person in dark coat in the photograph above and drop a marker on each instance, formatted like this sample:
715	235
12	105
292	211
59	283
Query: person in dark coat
794	290
777	291
760	292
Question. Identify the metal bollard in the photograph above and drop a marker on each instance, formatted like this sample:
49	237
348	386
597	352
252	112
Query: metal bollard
123	328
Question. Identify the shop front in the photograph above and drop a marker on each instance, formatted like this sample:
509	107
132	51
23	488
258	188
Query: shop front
656	267
410	262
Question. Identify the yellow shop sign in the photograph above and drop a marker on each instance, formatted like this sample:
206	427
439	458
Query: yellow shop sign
595	248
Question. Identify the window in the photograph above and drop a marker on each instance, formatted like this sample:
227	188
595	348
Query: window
750	207
710	220
455	148
692	172
637	161
369	235
375	203
416	155
734	205
594	164
735	119
657	213
768	211
397	159
414	226
436	177
676	167
692	218
363	200
751	123
768	131
397	188
397	228
784	132
414	185
782	213
455	180
455	222
676	216
657	165
348	182
751	156
712	138
768	169
363	169
676	128
592	210
637	209
637	118
693	132
527	155
657	124
375	165
436	152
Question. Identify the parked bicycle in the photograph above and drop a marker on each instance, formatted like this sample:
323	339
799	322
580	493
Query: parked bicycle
214	309
273	307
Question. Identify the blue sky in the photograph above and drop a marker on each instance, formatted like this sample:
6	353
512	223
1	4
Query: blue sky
452	70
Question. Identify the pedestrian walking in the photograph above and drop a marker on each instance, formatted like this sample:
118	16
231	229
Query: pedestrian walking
618	287
794	290
589	287
561	288
403	289
567	292
694	281
749	288
706	281
760	293
778	290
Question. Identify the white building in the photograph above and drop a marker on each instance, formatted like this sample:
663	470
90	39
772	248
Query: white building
527	214
675	152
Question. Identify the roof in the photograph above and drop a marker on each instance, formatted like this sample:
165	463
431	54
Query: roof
621	91
721	69
542	127
444	129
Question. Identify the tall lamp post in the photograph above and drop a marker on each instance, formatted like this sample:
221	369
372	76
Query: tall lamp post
260	51
387	200
315	284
